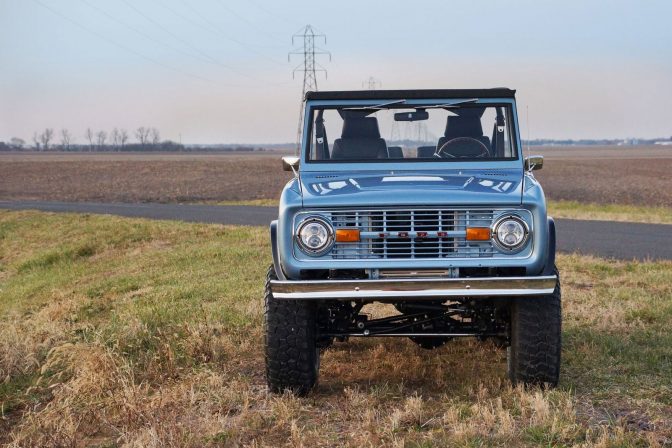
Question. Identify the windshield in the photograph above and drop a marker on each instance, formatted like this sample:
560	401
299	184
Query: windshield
457	130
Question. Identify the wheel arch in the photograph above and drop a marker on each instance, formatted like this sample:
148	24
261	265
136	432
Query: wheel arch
276	253
549	268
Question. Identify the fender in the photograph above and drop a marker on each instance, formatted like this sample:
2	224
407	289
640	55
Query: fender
550	261
274	251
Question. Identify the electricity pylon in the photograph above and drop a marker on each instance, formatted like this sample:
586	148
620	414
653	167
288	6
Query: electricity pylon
371	83
309	68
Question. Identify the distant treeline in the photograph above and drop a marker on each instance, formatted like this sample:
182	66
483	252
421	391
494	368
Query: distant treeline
555	142
164	146
222	148
146	140
598	142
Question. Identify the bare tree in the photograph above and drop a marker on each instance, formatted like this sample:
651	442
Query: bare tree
17	143
45	138
89	136
66	138
36	141
115	137
156	138
142	134
101	136
123	137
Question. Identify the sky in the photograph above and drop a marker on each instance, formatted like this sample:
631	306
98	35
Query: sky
208	71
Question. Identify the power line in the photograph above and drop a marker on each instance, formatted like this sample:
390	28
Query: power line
167	30
207	57
261	30
121	46
309	68
145	35
214	28
272	14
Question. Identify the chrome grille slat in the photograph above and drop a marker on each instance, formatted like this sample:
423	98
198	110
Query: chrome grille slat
388	222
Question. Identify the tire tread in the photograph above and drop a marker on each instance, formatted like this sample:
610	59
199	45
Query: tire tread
536	339
291	352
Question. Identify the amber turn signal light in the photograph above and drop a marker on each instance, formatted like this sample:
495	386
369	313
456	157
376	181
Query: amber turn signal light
347	235
478	233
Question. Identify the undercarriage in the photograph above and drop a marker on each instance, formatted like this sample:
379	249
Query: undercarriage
483	319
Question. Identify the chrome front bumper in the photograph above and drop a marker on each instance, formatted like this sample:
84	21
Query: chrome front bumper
413	288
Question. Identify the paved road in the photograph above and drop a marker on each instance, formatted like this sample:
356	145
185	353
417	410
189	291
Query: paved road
602	238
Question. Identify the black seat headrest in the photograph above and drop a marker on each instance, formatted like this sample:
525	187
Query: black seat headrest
360	139
360	127
466	124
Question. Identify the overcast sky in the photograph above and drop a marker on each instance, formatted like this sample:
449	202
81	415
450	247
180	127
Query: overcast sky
217	70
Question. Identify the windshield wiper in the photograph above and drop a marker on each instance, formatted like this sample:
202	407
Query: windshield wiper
447	105
376	107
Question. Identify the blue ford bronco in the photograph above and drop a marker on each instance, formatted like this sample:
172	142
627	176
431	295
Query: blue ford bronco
443	220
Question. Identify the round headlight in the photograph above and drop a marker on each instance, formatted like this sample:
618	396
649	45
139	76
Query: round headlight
510	233
315	235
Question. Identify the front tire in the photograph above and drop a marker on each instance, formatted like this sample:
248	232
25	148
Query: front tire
534	353
292	355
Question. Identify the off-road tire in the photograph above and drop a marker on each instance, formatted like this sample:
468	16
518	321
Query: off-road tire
534	353
292	355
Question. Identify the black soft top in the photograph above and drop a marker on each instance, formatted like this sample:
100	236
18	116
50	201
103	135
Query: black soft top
499	92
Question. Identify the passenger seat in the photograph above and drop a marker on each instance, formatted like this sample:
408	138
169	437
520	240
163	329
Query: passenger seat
360	139
395	152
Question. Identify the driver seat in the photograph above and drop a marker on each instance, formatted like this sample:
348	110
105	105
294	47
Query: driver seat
466	124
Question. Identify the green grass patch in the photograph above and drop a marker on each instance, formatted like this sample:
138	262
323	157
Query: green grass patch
254	202
610	212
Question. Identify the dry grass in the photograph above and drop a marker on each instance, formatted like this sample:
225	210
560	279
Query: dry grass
119	332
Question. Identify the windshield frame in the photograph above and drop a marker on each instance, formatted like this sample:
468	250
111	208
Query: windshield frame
409	164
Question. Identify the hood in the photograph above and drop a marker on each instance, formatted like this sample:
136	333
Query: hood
394	187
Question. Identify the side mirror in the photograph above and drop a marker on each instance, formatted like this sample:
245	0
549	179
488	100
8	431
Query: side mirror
533	163
290	163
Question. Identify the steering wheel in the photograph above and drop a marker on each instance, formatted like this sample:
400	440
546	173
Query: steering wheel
475	148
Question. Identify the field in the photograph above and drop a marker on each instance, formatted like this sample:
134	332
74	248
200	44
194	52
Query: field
141	177
608	175
636	176
123	332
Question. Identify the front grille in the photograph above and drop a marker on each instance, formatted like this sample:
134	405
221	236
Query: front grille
411	234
